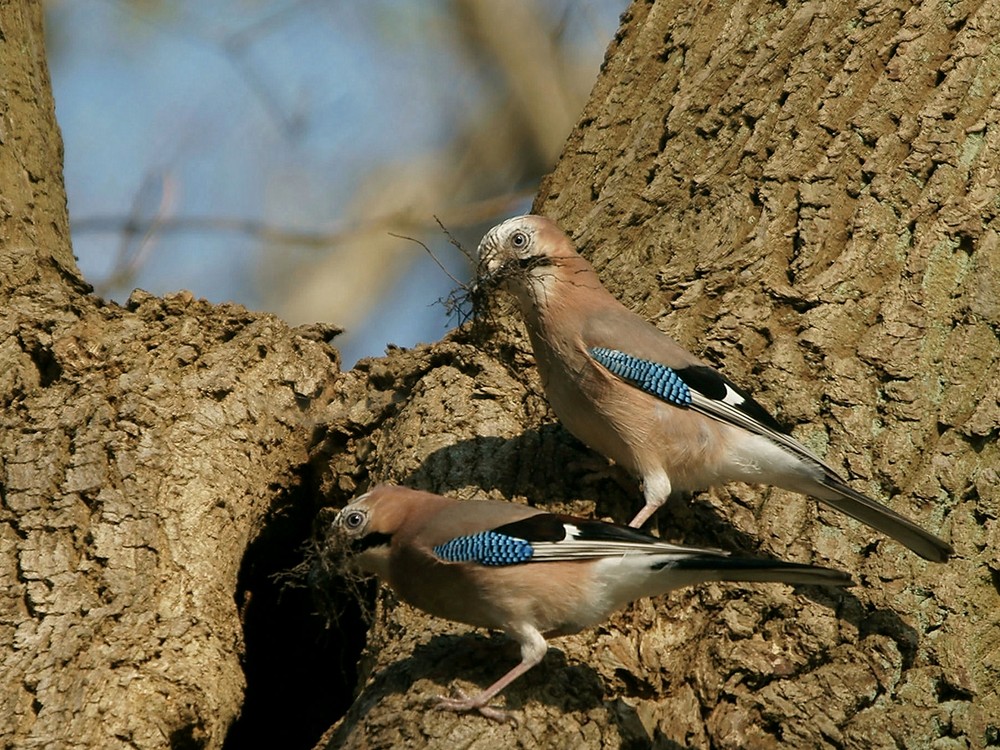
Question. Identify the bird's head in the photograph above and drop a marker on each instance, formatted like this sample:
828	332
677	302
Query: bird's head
365	528
525	255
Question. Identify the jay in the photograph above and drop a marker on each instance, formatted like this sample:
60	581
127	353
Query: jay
632	393
533	574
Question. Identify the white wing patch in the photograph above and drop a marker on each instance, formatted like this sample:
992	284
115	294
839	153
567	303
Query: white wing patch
732	397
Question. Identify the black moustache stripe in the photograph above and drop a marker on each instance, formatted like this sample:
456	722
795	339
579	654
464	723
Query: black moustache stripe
368	541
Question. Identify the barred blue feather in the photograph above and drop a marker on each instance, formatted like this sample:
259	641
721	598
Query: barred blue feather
652	377
485	548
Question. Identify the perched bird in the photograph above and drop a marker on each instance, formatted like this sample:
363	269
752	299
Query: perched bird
533	574
631	392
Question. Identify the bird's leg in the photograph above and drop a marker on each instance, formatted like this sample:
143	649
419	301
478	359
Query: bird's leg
656	489
643	515
533	648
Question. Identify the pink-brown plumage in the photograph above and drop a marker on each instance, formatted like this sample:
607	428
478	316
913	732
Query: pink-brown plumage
722	436
567	574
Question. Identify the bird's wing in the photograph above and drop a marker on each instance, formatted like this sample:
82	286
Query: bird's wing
548	537
703	389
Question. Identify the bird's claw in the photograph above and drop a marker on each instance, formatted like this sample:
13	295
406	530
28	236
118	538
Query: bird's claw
464	703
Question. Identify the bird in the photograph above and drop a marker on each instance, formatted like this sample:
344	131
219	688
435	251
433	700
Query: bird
633	394
535	575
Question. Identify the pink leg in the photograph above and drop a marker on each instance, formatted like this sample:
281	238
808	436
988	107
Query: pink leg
533	648
656	489
643	515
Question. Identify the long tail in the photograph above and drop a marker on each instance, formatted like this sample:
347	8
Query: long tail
890	523
736	569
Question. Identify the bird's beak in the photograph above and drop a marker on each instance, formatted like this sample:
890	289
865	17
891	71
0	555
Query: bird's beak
488	276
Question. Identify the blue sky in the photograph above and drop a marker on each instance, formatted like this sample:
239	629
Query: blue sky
276	112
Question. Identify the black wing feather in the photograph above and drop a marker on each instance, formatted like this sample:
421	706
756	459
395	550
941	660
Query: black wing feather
711	383
551	527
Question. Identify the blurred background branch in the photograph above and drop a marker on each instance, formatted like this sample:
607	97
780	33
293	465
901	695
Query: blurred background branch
264	152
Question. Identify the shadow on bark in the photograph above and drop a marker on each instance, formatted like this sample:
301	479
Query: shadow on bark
480	659
298	664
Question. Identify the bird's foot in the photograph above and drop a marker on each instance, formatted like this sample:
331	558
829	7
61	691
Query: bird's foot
464	703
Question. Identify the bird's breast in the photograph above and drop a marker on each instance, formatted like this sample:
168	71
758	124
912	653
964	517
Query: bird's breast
552	596
627	425
589	405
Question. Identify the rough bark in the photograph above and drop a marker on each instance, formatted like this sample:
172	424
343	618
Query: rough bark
805	193
141	449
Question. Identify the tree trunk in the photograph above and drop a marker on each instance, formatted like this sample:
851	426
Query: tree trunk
141	449
803	192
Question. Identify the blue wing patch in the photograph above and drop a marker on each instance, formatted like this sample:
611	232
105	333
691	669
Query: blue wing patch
653	378
485	548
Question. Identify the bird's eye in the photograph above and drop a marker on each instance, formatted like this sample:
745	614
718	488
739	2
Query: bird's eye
354	519
519	240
